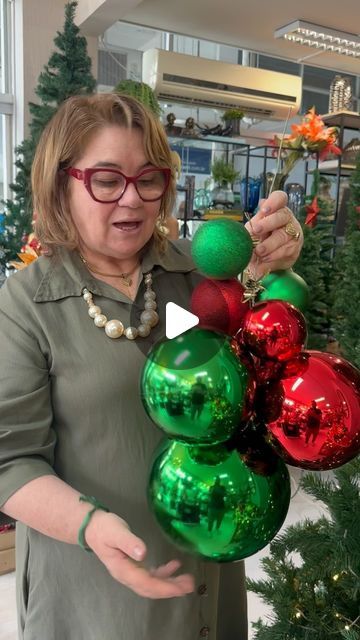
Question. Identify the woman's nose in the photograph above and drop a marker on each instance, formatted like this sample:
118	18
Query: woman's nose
129	196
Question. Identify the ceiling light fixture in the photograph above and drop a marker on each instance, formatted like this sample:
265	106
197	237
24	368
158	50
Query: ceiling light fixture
321	38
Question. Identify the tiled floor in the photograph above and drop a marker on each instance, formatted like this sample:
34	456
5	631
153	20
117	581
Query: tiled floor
7	607
301	505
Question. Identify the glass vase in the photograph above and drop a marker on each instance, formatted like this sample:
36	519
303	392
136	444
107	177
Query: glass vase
250	193
296	197
222	196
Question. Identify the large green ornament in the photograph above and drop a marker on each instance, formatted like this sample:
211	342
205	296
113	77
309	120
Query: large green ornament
209	503
286	285
195	388
221	249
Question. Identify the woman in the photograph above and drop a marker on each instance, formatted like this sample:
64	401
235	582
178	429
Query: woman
71	420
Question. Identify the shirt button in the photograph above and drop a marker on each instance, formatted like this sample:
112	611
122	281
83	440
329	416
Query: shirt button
204	631
202	590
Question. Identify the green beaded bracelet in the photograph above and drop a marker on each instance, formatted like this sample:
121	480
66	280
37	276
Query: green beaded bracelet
97	505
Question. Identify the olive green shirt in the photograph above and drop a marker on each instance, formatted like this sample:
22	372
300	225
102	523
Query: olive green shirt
70	405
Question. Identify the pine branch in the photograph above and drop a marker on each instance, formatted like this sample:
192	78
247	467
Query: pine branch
313	571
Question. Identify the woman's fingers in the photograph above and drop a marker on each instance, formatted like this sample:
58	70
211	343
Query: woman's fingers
281	258
122	552
276	220
166	570
259	224
276	248
148	585
279	239
276	200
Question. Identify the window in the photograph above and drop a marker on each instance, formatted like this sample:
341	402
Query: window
277	64
111	67
6	99
314	99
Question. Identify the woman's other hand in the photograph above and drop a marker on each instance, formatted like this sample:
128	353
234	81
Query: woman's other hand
280	234
122	553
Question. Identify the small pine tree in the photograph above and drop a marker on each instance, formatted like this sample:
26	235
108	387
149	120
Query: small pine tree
67	73
314	265
346	296
313	569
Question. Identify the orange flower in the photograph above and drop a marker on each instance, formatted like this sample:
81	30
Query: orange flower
308	137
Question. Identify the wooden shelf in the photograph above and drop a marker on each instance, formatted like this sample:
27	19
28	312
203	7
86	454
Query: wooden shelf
346	119
331	167
222	213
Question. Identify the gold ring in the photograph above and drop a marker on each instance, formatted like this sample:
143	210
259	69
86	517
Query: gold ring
255	240
290	229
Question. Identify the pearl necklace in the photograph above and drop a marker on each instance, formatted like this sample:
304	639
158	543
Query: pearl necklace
115	328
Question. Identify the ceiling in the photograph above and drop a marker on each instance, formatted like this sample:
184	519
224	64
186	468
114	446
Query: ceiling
246	25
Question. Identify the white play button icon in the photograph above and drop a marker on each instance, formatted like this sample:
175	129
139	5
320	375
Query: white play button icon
178	320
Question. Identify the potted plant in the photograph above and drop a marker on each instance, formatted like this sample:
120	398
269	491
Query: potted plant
142	92
224	175
233	117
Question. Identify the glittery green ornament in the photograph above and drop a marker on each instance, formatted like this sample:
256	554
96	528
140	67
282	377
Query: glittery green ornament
195	388
222	248
211	504
286	285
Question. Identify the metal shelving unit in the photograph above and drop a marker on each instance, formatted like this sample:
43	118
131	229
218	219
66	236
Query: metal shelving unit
344	120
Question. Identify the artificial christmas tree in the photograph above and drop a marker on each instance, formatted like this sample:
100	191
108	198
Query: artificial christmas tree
315	263
346	311
313	569
67	73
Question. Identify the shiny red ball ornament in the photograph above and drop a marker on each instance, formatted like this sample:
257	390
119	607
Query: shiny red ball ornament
219	305
319	424
274	330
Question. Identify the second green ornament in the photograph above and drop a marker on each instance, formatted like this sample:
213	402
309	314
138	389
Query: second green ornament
286	285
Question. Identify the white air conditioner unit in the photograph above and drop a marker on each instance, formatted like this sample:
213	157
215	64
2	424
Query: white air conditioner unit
196	81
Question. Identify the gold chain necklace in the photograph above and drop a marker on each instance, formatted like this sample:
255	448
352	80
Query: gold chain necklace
124	276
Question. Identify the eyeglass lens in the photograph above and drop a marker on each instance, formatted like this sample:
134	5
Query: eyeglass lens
107	186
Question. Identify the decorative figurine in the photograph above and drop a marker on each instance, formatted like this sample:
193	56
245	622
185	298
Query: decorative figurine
189	130
170	129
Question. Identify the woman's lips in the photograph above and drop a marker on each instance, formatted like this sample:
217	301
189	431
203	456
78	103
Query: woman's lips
128	226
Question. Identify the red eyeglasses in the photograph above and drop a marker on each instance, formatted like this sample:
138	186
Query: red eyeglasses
109	185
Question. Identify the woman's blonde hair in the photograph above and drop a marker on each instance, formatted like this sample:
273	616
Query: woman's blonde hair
63	142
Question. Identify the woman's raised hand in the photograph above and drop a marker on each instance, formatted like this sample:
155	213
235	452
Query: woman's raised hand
280	235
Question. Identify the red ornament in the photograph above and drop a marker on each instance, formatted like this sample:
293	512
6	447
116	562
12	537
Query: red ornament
274	329
219	305
319	424
312	211
295	366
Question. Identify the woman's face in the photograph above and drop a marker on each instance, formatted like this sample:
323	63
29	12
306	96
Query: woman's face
100	225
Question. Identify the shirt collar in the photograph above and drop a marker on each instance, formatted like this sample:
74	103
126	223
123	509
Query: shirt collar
66	275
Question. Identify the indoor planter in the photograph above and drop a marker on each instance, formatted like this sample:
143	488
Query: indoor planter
233	117
142	92
224	175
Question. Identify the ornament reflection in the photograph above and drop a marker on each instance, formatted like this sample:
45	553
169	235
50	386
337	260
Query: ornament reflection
210	503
